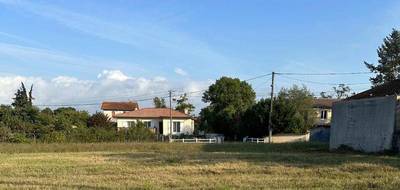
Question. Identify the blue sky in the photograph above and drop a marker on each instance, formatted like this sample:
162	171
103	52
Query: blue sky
184	44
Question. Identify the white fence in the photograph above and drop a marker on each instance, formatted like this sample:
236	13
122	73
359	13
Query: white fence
195	140
255	140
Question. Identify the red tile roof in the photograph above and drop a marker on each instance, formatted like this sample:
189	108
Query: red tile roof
153	113
386	89
324	102
120	106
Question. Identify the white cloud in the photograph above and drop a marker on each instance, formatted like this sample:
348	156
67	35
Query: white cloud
113	75
180	71
112	85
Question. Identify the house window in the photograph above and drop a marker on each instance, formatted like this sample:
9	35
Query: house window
147	124
177	127
131	124
324	114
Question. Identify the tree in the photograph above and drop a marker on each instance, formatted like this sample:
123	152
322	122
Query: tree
254	121
159	102
388	66
293	111
183	105
23	99
99	120
228	99
325	95
342	91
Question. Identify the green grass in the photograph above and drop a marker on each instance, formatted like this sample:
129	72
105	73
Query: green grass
192	166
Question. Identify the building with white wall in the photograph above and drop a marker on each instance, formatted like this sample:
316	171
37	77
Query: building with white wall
158	119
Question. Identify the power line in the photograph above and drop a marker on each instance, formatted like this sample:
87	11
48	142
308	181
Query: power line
323	83
257	77
324	74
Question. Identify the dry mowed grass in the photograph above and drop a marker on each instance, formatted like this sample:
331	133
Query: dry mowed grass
192	166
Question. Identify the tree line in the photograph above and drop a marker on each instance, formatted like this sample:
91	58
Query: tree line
23	123
234	111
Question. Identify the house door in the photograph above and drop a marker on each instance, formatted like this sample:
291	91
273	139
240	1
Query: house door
160	128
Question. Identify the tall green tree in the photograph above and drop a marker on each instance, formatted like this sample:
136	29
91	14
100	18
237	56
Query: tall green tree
159	102
293	111
388	66
183	105
228	99
23	99
254	121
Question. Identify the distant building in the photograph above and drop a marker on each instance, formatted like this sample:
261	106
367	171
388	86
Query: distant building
368	121
158	119
323	110
111	109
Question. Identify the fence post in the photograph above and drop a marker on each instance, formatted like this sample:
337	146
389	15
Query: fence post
196	140
183	140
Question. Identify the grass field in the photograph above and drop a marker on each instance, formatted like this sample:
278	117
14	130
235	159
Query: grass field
192	166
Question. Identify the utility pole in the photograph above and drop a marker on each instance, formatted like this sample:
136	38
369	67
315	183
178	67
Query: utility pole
271	109
170	115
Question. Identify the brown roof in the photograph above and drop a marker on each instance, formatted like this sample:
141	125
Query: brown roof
323	102
153	113
120	106
387	89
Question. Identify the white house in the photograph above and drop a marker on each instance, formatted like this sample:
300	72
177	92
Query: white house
111	109
159	120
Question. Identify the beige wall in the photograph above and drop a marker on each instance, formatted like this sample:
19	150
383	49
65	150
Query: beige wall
318	120
289	138
187	125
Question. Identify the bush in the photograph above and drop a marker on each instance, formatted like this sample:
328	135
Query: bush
18	138
54	137
100	120
105	135
137	133
5	133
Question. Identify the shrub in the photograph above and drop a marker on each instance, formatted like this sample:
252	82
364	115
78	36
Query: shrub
137	133
54	137
18	138
100	120
5	133
105	135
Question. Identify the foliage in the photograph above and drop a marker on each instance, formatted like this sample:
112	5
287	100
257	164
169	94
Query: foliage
228	99
159	102
254	121
100	120
23	99
325	95
340	92
293	111
25	123
183	105
388	66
